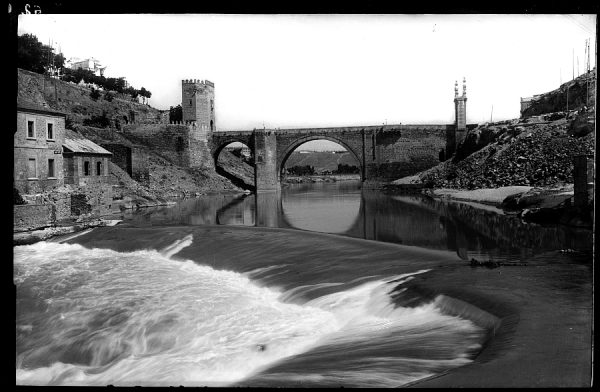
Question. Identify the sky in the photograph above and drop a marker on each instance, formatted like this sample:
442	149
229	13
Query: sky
287	71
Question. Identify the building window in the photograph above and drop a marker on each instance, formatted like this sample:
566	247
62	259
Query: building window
212	105
30	129
50	134
98	168
31	169
86	168
50	168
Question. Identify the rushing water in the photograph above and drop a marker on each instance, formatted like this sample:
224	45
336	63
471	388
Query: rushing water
153	317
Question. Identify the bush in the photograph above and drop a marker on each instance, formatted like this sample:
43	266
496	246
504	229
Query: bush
98	121
108	96
95	94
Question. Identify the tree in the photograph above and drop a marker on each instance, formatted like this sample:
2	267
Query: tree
32	55
108	96
175	113
95	94
145	93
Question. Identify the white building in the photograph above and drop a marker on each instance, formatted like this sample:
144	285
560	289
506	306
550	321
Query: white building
91	64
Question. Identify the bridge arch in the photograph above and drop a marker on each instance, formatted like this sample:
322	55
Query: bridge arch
291	147
222	143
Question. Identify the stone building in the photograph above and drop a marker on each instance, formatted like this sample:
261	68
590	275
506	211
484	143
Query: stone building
38	140
85	162
527	101
198	103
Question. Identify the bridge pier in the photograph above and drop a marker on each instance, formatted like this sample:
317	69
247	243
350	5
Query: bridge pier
265	161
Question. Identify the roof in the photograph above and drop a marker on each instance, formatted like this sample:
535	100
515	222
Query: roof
26	106
74	142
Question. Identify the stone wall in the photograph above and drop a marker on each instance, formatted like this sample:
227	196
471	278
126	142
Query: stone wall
62	206
32	216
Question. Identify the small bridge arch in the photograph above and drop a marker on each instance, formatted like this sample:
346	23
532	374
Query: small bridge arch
220	143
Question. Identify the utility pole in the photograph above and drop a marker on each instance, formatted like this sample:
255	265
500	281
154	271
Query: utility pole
573	64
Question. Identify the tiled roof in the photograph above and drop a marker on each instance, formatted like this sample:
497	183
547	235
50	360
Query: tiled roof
26	106
74	142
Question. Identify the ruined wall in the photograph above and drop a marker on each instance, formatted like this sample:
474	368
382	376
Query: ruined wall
63	206
31	216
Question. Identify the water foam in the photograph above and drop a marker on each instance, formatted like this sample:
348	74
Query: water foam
97	317
140	318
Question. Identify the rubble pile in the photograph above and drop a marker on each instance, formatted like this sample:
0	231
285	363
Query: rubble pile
536	155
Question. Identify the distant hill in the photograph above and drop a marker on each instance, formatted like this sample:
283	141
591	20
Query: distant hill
321	160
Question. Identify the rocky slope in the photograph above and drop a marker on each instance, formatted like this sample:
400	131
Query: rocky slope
533	154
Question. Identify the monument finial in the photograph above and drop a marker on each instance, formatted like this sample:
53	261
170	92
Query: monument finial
464	87
456	89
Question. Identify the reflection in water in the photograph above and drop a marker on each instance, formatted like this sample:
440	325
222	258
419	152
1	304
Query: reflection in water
343	208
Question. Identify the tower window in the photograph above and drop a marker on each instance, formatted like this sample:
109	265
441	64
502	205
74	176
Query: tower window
98	168
190	102
86	168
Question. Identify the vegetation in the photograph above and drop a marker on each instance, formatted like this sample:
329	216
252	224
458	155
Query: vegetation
94	94
346	169
17	199
301	170
98	121
34	56
175	113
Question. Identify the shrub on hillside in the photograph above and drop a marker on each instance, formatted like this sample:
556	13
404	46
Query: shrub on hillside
108	96
95	94
98	121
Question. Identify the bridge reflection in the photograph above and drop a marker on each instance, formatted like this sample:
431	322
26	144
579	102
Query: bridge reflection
408	220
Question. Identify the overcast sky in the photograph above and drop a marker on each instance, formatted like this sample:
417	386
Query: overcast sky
331	70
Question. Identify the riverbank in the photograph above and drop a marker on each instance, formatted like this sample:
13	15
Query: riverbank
544	307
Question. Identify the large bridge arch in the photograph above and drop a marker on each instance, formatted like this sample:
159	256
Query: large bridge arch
290	147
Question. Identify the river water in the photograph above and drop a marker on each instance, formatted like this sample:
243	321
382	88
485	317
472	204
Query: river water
177	303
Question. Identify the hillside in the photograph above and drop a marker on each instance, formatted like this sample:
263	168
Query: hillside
580	93
167	180
76	102
320	160
534	154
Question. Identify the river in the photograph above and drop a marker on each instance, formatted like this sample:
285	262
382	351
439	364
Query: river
211	292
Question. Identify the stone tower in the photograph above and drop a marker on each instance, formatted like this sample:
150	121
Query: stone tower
460	104
198	109
198	103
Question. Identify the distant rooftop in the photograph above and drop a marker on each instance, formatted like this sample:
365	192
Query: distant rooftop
74	142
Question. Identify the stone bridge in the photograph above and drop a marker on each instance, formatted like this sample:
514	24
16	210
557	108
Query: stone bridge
383	153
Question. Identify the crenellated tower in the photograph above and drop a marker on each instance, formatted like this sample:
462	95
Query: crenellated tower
198	103
198	112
